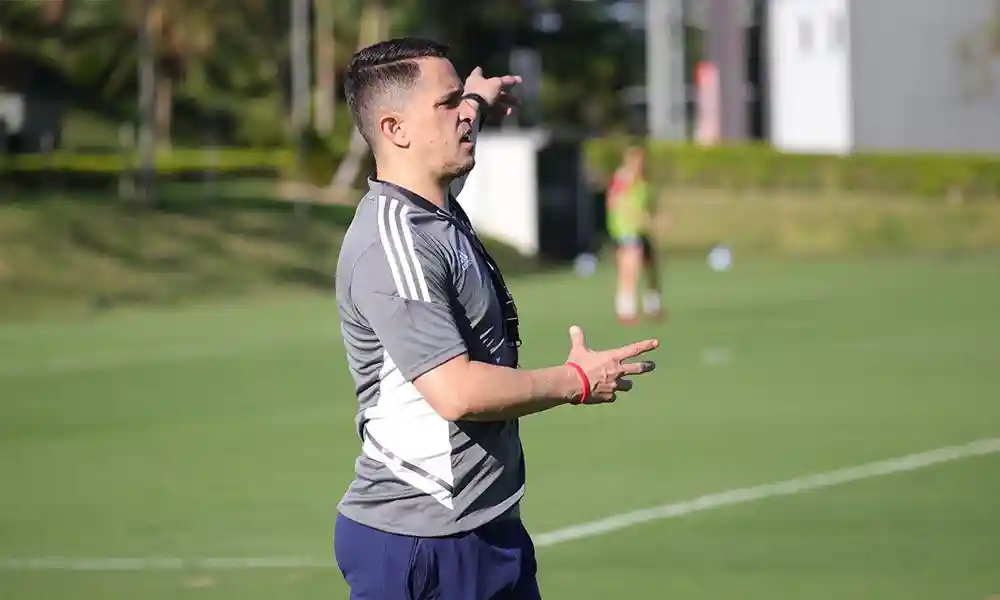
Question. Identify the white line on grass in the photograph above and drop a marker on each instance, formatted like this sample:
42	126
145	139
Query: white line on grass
610	524
789	487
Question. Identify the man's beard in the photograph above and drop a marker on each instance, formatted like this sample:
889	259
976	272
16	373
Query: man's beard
456	171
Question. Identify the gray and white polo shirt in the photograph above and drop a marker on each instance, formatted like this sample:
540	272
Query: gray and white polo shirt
413	293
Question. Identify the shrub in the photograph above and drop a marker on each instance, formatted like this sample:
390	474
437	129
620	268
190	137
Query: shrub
758	167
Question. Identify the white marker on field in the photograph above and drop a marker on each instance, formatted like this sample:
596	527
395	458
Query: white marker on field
716	357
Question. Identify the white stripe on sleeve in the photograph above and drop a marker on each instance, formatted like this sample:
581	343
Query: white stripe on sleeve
418	269
396	235
407	260
387	247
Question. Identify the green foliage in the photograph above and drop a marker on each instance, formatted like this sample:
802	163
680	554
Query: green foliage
315	165
586	61
82	251
320	157
225	66
757	167
172	161
213	57
775	222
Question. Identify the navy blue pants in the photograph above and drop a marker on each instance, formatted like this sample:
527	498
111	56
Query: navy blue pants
494	562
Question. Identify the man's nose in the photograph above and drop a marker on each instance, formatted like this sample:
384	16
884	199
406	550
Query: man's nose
468	110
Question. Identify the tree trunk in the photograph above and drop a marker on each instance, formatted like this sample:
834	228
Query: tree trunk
350	166
325	77
164	108
374	27
54	11
299	55
147	102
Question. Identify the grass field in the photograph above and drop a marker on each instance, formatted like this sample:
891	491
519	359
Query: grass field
224	430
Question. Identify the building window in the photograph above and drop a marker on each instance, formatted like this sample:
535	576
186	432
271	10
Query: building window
838	33
805	35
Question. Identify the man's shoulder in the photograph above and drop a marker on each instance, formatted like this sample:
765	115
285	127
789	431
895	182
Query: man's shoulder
384	216
358	236
389	239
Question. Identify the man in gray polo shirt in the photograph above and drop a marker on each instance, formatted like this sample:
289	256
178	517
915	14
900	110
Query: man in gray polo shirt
431	335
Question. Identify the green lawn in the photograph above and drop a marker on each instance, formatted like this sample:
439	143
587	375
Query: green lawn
225	430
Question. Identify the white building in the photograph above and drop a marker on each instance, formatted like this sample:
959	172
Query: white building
873	75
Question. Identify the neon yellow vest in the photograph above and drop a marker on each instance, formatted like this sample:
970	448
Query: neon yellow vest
627	216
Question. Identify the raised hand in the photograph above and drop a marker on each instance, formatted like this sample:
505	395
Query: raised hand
607	370
495	90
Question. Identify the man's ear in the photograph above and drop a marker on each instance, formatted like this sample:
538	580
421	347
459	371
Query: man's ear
393	130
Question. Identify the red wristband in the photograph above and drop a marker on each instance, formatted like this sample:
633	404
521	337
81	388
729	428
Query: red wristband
584	381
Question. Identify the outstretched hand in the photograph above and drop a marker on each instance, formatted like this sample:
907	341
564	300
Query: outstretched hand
495	90
607	370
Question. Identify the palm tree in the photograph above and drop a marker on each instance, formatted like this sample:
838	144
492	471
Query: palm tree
96	43
182	33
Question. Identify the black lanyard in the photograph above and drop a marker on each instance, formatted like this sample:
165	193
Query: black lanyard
511	324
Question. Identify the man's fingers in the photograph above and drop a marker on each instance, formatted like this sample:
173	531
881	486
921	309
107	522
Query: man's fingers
624	385
576	339
508	100
504	80
506	104
636	349
509	80
638	368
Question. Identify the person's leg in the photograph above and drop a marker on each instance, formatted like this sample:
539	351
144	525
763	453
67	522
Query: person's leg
376	565
651	300
629	257
527	586
494	562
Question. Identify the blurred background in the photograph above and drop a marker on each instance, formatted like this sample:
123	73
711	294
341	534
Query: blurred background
176	417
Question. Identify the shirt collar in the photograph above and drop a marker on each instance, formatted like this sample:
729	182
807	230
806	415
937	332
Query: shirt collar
378	187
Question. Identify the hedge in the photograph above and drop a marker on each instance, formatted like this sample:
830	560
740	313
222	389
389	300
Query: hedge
759	167
174	160
752	167
319	160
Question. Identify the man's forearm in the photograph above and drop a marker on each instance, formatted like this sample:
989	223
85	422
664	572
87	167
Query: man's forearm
499	393
477	391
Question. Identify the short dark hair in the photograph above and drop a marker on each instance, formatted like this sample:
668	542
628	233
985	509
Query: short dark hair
380	70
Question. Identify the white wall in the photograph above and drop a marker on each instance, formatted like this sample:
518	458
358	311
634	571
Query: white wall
501	194
913	90
809	72
12	111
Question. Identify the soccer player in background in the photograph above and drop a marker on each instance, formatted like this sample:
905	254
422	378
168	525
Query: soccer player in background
431	336
629	212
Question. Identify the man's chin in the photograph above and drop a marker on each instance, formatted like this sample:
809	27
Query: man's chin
464	169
